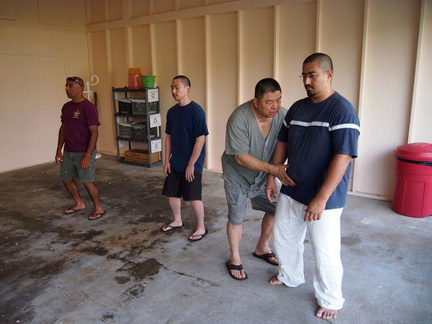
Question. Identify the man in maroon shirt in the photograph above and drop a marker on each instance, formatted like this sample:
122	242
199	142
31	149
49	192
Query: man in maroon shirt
78	134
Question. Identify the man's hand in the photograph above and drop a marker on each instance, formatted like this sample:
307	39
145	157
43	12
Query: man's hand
315	209
270	189
85	162
279	171
59	158
167	168
189	173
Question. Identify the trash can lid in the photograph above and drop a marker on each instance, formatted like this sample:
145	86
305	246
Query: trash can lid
415	152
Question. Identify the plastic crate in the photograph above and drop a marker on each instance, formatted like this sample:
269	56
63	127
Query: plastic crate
125	106
140	132
139	107
126	130
153	107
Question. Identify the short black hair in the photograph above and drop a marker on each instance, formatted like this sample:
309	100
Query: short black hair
324	61
184	79
266	85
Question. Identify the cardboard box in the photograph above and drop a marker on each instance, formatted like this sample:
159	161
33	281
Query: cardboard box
141	156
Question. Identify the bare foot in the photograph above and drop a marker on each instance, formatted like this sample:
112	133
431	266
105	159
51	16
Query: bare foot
274	281
326	313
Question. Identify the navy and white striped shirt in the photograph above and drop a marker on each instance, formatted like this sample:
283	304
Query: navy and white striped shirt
315	133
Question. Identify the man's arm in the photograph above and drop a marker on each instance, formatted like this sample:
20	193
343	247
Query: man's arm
60	143
336	171
279	157
167	165
94	134
196	152
277	170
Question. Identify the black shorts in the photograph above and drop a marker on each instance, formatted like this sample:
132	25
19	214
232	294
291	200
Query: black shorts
177	186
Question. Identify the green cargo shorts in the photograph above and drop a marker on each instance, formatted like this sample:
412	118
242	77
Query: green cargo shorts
71	169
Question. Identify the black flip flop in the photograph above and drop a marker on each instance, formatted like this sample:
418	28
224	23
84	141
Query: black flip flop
73	211
200	236
94	216
172	228
235	267
266	257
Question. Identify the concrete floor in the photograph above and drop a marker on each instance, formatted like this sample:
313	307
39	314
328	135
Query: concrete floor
120	269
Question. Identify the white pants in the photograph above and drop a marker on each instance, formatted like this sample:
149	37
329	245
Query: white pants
289	234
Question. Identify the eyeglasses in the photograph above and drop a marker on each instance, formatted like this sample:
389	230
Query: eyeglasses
76	79
311	76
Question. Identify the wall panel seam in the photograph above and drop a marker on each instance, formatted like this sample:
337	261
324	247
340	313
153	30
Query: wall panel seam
240	60
416	71
361	89
153	49
207	81
276	41
179	46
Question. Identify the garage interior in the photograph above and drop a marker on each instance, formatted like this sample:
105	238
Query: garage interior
121	269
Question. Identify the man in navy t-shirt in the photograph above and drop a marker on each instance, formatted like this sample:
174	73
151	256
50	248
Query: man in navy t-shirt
186	130
319	139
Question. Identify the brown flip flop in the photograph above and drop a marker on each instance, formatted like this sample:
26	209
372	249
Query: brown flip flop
235	267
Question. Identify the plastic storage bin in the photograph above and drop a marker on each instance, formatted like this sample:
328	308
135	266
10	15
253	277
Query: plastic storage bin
139	132
139	107
125	106
126	130
413	194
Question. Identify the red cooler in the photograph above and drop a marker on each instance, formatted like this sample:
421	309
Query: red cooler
413	195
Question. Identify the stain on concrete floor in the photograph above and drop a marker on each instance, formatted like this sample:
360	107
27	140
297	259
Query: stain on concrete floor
38	242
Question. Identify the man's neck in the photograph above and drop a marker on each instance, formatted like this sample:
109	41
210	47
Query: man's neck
322	97
260	118
184	102
79	99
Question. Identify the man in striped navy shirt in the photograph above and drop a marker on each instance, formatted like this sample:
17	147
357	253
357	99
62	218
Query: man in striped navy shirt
319	138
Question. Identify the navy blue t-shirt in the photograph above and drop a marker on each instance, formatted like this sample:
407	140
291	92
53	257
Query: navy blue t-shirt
315	133
185	124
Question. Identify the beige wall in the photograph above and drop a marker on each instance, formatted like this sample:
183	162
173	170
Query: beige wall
394	108
41	43
380	48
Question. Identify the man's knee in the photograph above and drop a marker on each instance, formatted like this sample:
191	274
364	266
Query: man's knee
89	185
68	181
235	222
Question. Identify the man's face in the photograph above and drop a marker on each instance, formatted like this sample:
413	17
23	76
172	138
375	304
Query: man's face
269	105
315	80
73	89
178	90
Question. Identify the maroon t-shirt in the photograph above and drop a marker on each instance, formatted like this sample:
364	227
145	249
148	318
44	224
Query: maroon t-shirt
76	118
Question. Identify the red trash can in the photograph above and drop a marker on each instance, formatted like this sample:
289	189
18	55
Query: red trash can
413	194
